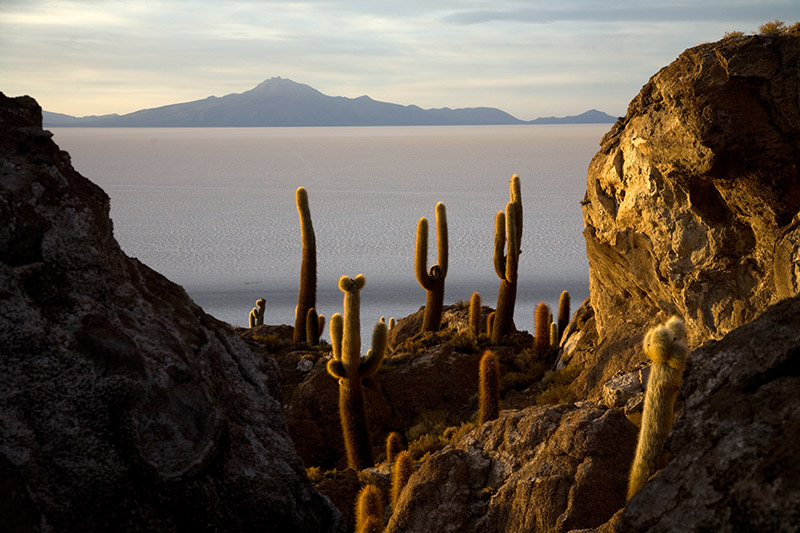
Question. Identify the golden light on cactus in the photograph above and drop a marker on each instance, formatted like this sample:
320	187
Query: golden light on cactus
666	347
475	315
563	313
401	473
369	510
541	340
489	387
393	446
432	280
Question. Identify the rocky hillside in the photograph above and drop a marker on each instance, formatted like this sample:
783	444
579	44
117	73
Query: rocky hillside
123	406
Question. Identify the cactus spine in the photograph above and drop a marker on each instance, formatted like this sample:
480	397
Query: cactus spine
369	510
563	314
350	368
489	381
306	299
432	281
666	347
256	317
475	315
541	341
393	446
507	233
403	468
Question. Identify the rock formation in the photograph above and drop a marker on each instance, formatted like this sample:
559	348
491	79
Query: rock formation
123	406
692	201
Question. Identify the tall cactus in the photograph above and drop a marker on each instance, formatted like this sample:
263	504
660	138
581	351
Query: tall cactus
563	314
489	383
475	315
350	368
307	297
666	347
432	281
507	242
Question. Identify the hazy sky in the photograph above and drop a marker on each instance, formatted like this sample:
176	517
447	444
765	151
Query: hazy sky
530	58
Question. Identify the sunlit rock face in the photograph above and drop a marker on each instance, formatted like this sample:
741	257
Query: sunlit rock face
692	202
123	406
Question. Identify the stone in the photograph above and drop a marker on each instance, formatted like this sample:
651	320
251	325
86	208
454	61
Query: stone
123	406
621	388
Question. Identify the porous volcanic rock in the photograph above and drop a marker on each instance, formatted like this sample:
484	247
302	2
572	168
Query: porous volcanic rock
692	203
123	406
552	468
735	464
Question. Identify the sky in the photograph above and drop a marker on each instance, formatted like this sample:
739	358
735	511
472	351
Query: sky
530	58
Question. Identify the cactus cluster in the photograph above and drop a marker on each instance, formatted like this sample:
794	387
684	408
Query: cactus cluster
666	347
507	242
432	280
350	368
256	317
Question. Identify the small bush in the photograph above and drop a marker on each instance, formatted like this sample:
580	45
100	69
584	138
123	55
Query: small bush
271	342
425	445
314	474
433	422
463	342
556	385
772	28
732	34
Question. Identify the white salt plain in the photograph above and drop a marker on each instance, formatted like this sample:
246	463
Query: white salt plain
213	209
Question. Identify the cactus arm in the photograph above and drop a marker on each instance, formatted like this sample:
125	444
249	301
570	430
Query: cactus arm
512	256
516	198
336	369
336	327
372	362
441	237
500	244
421	255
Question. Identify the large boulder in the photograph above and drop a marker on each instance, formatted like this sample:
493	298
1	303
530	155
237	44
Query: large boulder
123	406
692	201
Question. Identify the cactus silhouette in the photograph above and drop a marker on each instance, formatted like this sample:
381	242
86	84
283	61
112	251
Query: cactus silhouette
475	315
563	314
403	468
350	368
256	317
541	340
666	347
432	281
393	446
507	241
489	382
369	510
306	298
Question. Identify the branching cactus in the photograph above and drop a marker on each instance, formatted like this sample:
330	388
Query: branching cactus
369	510
489	382
432	280
306	298
350	368
666	347
563	314
401	473
541	340
475	315
507	241
257	314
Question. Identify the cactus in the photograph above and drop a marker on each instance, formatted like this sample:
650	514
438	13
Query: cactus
393	446
392	323
666	347
563	314
403	468
312	327
432	281
306	298
490	322
256	317
553	336
541	340
489	381
369	510
475	315
507	232
350	368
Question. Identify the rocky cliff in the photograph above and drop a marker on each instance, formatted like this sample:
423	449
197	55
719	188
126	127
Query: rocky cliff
692	201
123	406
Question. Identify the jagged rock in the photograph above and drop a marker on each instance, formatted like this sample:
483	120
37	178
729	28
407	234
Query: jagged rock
734	463
634	408
621	388
123	406
692	201
539	469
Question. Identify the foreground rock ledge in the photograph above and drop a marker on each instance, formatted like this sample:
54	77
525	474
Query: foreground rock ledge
123	406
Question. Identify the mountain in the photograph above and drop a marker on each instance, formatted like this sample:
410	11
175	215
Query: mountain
593	116
283	102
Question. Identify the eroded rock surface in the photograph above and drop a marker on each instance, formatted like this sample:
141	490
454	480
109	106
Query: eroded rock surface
692	201
123	406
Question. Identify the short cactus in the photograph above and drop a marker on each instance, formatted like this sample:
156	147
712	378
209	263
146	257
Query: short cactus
312	327
666	347
432	281
475	315
563	314
256	317
401	473
350	368
507	232
489	383
541	340
393	446
306	298
490	322
369	510
553	336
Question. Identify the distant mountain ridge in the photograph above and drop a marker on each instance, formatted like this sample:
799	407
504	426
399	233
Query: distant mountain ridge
283	102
